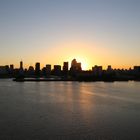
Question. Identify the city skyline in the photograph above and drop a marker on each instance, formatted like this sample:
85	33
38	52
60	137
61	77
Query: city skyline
22	65
68	72
95	32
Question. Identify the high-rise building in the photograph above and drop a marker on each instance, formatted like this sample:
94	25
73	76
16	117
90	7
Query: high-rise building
79	68
37	68
75	66
21	71
65	66
57	70
48	69
73	63
21	65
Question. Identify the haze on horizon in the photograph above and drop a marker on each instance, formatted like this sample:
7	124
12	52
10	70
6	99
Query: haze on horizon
98	32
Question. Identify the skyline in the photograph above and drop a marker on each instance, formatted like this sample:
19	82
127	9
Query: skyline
94	32
24	66
68	72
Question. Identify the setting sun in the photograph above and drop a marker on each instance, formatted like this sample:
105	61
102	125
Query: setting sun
84	62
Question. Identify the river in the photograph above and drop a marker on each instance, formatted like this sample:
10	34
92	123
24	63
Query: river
69	110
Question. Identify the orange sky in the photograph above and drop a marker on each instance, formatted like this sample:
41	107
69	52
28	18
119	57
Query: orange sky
95	32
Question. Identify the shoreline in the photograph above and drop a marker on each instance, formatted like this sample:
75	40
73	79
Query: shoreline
70	80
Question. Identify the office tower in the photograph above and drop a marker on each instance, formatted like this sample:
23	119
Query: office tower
37	68
48	69
73	63
21	65
79	68
65	66
57	70
75	66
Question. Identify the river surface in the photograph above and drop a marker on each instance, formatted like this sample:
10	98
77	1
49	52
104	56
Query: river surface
69	110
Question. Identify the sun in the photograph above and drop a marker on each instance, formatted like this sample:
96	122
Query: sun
84	66
84	62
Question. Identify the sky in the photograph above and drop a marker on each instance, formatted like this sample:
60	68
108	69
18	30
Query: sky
95	32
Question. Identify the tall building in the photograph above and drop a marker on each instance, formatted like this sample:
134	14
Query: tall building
57	70
73	63
21	71
79	68
65	68
21	65
75	66
48	69
37	68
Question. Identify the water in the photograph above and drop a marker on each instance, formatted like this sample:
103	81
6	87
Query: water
69	110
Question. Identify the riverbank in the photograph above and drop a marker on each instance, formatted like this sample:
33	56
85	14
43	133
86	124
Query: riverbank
68	79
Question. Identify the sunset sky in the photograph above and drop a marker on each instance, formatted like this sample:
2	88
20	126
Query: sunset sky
102	32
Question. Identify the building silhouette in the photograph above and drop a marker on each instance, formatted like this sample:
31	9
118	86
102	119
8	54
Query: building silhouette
21	71
48	69
109	68
137	69
11	69
4	70
65	68
57	70
37	69
44	71
97	70
75	73
31	71
21	65
75	66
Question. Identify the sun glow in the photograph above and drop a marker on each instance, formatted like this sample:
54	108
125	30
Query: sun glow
84	62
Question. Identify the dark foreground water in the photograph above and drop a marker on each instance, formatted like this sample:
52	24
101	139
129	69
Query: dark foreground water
69	110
